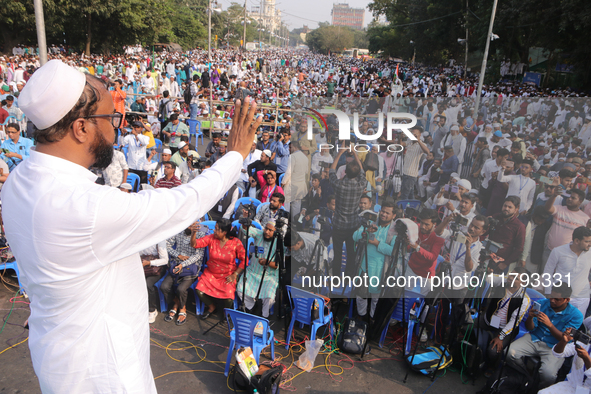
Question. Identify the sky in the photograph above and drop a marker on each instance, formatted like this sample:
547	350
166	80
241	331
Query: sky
307	12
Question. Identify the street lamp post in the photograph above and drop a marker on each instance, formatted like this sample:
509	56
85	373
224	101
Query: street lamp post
484	59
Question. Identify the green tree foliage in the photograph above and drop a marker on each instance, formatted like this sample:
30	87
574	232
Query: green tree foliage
561	27
330	38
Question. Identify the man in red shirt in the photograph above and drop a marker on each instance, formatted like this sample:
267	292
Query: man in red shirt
425	251
3	115
169	180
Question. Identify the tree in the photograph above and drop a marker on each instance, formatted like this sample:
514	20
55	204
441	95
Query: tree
330	38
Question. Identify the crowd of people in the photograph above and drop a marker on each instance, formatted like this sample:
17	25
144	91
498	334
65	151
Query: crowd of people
516	174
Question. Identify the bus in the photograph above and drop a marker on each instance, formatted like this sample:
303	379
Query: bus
355	53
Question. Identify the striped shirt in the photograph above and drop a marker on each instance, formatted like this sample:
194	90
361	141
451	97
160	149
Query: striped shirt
348	192
168	184
412	157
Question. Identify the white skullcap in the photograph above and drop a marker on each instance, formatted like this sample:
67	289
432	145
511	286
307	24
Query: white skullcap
182	144
588	163
455	128
125	186
267	152
465	184
166	151
52	91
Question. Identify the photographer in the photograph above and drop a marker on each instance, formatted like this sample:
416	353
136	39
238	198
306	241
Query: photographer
173	132
301	246
136	143
348	191
510	232
461	216
546	326
580	371
270	212
413	152
424	252
504	307
321	159
380	242
254	274
184	162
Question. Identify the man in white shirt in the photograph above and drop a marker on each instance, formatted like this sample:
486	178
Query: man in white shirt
82	337
116	173
157	169
570	263
521	185
252	156
490	170
136	144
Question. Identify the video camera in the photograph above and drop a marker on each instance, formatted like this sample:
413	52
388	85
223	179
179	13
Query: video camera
580	337
198	163
367	217
458	223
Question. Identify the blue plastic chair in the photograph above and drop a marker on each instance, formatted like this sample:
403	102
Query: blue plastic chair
301	311
158	148
261	205
237	224
377	208
134	181
246	201
402	313
195	130
13	266
210	224
281	179
241	326
240	193
403	204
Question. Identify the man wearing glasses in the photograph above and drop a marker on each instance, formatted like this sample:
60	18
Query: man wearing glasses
77	243
15	148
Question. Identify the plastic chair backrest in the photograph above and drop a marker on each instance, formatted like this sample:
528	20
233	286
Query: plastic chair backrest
535	295
261	206
158	148
246	201
301	302
10	119
210	224
281	178
194	126
414	204
243	325
237	224
134	181
410	297
377	208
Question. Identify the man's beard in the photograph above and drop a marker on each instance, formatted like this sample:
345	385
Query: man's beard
102	151
506	215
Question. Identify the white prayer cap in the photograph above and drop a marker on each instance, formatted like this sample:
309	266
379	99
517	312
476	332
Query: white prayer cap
182	144
166	151
52	91
465	184
125	186
267	152
455	127
588	163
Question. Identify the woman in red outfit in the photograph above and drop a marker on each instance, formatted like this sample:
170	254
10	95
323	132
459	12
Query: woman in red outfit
269	185
219	278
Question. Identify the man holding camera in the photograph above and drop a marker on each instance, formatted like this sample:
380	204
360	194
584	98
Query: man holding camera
380	240
184	161
574	344
281	152
413	152
510	232
173	132
546	322
254	272
136	144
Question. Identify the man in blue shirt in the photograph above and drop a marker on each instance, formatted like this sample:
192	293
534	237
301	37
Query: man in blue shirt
16	148
281	151
546	327
449	165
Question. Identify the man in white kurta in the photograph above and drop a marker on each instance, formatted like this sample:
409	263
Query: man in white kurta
77	245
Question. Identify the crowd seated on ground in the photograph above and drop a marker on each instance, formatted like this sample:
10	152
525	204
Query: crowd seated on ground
516	173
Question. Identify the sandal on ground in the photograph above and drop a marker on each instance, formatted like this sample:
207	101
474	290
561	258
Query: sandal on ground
170	316
181	322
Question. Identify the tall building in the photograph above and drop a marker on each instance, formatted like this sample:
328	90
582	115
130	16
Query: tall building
343	15
267	15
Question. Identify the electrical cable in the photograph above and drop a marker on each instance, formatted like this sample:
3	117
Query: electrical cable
10	347
425	21
9	313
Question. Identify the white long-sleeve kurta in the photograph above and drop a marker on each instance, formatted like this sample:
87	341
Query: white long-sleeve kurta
77	247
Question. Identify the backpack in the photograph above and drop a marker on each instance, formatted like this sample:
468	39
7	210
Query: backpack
514	379
187	96
371	162
265	381
163	110
354	336
427	362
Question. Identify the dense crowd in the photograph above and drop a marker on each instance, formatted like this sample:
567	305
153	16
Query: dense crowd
516	175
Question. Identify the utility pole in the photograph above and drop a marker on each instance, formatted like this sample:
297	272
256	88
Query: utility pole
209	33
244	33
466	43
483	68
40	23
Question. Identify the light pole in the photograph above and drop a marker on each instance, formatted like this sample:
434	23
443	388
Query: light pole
244	32
483	68
210	9
40	23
